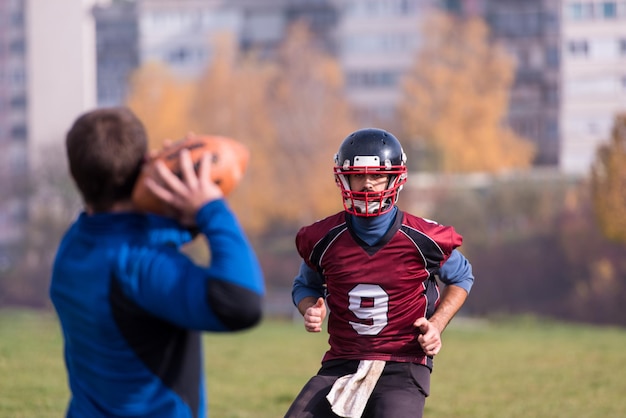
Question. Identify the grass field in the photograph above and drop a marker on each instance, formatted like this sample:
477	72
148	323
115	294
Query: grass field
520	367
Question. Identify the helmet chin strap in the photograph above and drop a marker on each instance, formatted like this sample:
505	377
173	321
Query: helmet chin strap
361	206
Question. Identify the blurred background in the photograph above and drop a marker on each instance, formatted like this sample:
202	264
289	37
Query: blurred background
512	113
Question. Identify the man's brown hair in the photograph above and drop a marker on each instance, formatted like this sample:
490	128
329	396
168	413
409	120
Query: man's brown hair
105	150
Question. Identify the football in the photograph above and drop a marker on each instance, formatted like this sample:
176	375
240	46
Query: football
229	162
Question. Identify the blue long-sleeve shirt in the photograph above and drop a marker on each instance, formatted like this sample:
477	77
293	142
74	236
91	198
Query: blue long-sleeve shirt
131	308
309	283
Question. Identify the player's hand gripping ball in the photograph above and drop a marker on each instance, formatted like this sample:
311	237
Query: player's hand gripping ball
229	162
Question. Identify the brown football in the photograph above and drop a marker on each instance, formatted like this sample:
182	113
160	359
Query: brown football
229	162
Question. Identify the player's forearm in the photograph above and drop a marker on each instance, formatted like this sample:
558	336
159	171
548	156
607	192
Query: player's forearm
308	283
452	299
306	303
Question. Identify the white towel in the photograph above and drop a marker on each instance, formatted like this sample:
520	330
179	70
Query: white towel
350	393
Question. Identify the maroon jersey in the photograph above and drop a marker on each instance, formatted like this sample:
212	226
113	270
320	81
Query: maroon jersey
375	293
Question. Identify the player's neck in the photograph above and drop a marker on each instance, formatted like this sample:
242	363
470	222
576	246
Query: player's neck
371	229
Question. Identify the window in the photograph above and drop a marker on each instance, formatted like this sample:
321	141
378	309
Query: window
551	95
552	57
17	46
578	48
379	44
574	11
552	130
17	19
18	164
18	76
530	24
608	10
178	55
580	11
18	102
550	22
382	8
373	79
18	132
453	6
622	46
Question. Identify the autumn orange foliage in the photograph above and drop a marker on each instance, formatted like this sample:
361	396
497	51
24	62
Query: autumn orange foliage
455	99
290	112
608	183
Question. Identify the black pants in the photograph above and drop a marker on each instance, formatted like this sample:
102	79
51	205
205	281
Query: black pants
400	392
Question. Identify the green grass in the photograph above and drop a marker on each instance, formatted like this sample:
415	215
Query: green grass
522	367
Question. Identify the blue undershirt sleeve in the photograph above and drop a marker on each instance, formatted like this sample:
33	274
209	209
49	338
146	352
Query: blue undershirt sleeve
457	271
308	282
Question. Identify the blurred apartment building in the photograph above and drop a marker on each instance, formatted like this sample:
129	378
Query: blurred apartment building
593	77
178	32
530	31
570	55
58	58
571	72
377	43
13	117
117	49
47	77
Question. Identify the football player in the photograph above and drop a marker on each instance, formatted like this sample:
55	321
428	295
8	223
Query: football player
374	268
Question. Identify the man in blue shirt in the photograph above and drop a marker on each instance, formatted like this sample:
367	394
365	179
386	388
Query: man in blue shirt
130	304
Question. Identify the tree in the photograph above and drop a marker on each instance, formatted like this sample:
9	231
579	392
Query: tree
455	99
288	107
311	116
161	101
291	113
608	183
230	99
50	202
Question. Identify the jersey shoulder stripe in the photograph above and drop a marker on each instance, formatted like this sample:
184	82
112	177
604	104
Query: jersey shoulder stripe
319	249
312	240
430	251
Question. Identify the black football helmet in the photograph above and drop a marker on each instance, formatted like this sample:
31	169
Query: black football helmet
370	151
